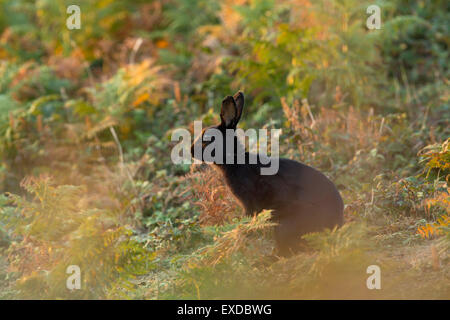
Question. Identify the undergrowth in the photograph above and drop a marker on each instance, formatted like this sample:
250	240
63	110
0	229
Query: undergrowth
86	118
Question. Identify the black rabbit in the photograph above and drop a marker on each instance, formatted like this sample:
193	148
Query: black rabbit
303	199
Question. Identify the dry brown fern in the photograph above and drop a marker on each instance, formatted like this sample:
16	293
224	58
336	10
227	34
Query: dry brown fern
210	194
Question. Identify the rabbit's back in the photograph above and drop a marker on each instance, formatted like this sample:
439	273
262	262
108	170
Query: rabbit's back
303	199
293	190
309	184
308	194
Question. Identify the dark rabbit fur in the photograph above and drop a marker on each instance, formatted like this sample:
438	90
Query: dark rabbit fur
303	199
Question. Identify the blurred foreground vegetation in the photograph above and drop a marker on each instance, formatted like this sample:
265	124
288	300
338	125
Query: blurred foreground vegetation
86	118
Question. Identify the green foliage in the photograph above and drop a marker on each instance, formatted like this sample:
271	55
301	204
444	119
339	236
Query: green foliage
34	21
278	55
437	157
95	109
338	255
53	231
415	40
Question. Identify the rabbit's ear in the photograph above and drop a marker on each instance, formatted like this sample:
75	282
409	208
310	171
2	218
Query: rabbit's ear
228	112
239	99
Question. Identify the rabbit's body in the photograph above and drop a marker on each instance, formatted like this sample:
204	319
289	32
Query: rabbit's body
301	198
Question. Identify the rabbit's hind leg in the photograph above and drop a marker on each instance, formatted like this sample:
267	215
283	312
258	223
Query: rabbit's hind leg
288	238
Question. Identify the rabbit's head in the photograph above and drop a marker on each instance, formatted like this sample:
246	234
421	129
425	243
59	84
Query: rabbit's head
230	114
